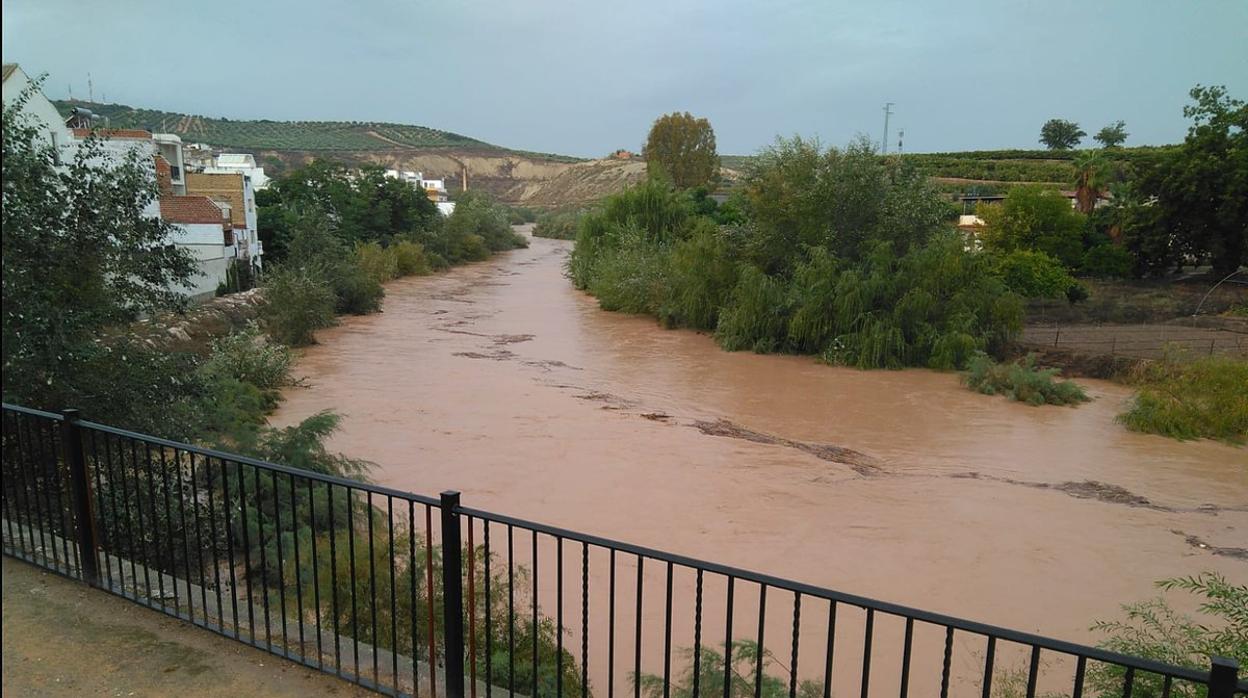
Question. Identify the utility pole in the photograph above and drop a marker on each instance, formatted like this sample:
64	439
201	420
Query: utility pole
90	89
901	137
888	111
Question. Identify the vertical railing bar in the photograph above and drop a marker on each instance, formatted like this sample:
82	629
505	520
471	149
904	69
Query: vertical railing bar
294	539
559	616
394	604
760	653
51	465
728	609
65	487
1166	685
229	532
472	610
30	459
6	487
411	574
511	612
989	660
697	633
584	620
948	658
43	505
905	658
155	528
1128	682
370	514
797	626
333	578
242	509
433	652
316	581
107	542
186	531
1033	671
281	562
866	652
611	628
667	634
173	567
355	606
1080	666
637	645
264	558
831	650
535	625
138	511
488	572
21	512
116	483
452	594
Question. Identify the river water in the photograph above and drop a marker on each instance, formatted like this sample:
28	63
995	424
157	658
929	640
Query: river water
502	381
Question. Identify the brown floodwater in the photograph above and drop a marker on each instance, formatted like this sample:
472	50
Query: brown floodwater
502	381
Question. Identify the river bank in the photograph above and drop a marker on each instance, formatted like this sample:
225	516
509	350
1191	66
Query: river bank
500	380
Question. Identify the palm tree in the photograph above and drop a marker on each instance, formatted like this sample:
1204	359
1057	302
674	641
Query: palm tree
1091	178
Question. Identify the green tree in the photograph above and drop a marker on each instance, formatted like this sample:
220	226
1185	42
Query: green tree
1199	192
1037	219
1113	135
682	147
1060	134
80	257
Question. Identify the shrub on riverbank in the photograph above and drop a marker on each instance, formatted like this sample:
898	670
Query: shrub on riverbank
410	259
297	303
1202	399
842	255
380	264
1022	381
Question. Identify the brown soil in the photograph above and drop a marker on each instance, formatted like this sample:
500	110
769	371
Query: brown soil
64	638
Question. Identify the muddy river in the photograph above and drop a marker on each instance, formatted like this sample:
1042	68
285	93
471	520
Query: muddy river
502	381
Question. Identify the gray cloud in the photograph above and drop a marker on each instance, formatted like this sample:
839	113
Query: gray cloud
582	77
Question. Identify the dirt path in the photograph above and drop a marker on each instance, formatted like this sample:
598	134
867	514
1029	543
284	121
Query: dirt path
63	638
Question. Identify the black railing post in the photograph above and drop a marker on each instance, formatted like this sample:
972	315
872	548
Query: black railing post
1223	675
452	595
80	487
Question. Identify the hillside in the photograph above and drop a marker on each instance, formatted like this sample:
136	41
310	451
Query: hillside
990	171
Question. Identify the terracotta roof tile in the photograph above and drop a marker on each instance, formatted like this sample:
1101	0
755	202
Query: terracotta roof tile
118	133
190	209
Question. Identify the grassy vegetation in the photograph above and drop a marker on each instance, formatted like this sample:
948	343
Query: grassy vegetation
1022	381
560	225
1154	630
1201	399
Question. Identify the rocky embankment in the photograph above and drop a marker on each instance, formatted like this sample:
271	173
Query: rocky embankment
194	329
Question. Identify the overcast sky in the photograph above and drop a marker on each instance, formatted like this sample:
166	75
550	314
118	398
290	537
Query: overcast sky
584	77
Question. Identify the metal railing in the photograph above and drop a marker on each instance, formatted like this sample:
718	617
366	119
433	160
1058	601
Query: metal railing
345	577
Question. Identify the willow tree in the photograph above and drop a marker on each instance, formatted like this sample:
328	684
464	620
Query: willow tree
682	147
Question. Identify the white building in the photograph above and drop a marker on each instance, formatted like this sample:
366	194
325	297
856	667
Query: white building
52	126
240	162
435	189
202	227
446	208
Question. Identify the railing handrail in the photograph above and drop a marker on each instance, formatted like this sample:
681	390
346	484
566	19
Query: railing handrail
361	485
1000	633
450	508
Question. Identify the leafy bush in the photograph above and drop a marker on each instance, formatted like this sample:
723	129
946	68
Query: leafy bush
249	356
410	259
1034	274
1201	399
1154	630
357	292
1021	381
477	214
1036	219
558	225
741	676
1107	261
701	274
297	303
380	264
755	315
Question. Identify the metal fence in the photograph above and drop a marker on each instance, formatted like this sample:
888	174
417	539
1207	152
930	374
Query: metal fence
1136	341
409	595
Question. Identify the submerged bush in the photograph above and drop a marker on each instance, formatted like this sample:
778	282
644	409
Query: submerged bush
410	259
1202	399
381	264
755	315
1034	274
701	275
1023	382
558	225
297	303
